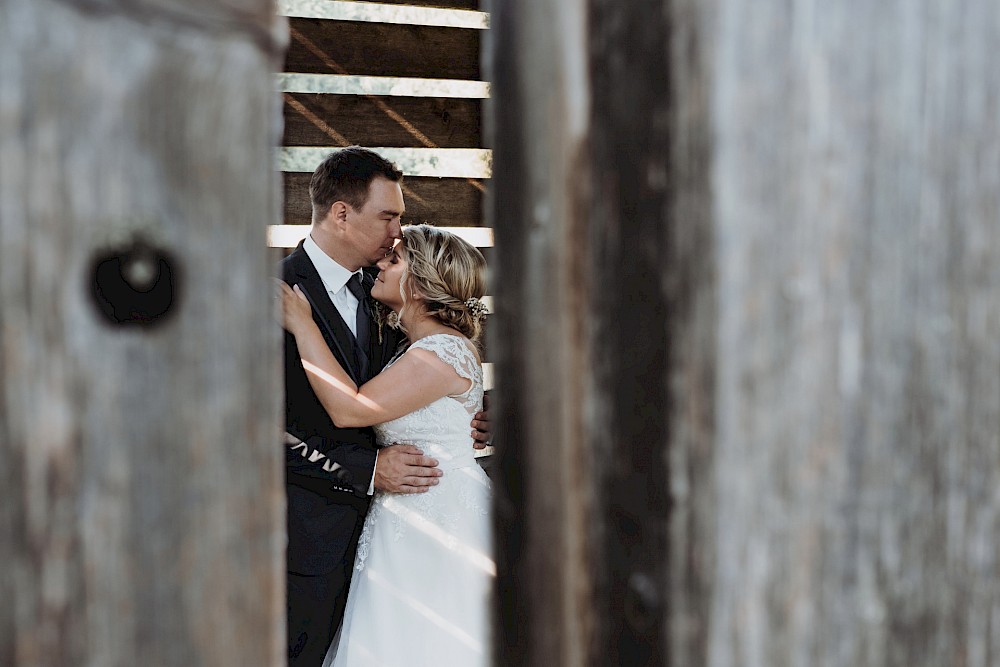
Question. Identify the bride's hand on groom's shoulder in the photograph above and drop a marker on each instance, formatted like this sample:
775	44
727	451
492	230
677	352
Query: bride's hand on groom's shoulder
296	312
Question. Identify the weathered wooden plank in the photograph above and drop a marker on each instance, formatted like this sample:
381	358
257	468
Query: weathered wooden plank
631	341
378	49
454	4
553	567
377	12
316	120
448	202
693	306
392	86
855	432
288	236
142	517
471	163
750	277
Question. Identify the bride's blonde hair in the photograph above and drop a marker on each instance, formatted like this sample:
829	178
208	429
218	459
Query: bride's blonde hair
450	274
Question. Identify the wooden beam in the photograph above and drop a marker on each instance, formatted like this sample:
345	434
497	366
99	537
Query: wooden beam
580	506
453	4
142	512
288	236
400	122
375	12
393	86
853	450
749	280
381	49
447	202
435	162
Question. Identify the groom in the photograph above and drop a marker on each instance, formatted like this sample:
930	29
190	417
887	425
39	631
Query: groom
331	472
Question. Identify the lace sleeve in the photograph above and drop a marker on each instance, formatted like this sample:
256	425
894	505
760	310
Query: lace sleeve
455	352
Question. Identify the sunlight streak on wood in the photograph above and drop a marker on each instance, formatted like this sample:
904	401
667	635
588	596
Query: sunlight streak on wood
437	162
389	86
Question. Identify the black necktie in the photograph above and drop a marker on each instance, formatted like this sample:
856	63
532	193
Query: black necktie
363	322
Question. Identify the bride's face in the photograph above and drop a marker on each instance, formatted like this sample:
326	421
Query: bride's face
391	272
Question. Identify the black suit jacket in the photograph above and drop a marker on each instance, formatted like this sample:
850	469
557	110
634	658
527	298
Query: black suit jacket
328	475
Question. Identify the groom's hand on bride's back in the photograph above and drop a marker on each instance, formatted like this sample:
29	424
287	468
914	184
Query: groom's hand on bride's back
405	469
481	432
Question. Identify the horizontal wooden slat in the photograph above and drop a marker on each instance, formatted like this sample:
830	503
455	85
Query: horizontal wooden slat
375	12
394	86
380	49
288	236
437	162
447	202
452	4
401	122
279	253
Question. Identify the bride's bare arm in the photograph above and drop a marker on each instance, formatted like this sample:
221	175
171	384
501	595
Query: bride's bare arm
417	379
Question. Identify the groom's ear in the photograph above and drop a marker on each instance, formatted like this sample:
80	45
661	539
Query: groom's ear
338	213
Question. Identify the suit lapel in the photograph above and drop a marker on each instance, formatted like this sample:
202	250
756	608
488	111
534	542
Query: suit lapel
331	324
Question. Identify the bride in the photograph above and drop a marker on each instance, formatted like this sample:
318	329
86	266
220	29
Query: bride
423	575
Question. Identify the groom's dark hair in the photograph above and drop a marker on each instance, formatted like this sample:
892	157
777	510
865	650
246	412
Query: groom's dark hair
345	175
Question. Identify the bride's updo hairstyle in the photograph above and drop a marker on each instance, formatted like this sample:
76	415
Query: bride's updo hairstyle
450	273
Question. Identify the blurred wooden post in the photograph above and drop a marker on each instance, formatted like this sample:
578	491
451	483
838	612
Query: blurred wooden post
580	170
821	274
142	519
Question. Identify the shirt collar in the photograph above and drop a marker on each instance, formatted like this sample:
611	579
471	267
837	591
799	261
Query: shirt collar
333	275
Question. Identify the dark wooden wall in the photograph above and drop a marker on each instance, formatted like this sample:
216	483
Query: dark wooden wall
436	56
142	510
362	48
748	325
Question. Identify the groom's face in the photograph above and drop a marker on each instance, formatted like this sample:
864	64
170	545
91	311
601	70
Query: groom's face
375	227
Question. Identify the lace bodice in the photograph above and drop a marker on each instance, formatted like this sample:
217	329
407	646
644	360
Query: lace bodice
424	568
442	429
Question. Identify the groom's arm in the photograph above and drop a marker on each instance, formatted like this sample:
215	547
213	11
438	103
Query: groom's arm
346	466
397	468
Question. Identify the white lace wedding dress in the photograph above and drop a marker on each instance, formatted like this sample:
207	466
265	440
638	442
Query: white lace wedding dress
424	570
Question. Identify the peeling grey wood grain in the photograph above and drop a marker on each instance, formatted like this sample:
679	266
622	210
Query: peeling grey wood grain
579	215
820	186
143	508
853	515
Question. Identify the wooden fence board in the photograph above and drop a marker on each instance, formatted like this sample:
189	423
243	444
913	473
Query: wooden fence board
288	236
317	120
447	202
855	201
377	12
142	518
378	49
389	86
473	163
453	4
548	505
751	259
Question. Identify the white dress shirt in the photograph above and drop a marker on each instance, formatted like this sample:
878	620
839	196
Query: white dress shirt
335	277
